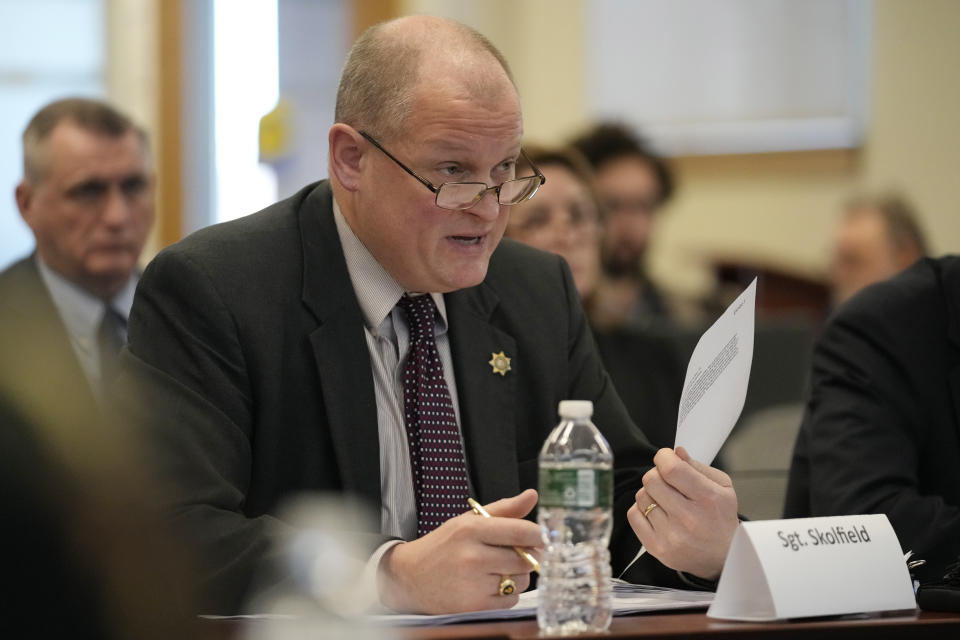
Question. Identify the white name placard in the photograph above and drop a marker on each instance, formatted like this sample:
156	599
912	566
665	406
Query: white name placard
813	567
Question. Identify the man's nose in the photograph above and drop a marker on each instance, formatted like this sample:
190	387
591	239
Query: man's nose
488	207
116	209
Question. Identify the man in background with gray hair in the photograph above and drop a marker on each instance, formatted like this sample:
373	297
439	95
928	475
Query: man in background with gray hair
876	238
87	196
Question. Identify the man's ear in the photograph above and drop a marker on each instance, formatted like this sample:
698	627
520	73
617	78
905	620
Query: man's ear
346	151
24	196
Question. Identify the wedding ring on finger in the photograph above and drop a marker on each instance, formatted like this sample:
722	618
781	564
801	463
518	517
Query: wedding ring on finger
507	586
646	512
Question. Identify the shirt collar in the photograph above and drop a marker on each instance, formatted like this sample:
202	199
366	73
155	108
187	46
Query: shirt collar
82	311
377	291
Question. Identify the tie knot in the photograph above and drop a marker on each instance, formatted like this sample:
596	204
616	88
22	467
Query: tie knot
419	311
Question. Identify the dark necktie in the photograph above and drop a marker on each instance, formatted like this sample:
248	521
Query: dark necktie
439	471
111	337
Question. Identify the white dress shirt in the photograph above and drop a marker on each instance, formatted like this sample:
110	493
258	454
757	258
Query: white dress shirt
388	340
82	313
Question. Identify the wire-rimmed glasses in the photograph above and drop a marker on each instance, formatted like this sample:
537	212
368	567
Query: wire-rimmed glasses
463	195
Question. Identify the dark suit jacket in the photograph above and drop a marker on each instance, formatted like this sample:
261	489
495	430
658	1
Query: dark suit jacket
251	339
38	368
881	433
646	372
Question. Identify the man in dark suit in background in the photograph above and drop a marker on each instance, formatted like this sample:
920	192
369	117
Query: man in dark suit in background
87	195
881	433
274	349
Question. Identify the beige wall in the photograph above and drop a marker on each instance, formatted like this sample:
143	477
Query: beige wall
775	208
543	41
132	58
781	207
132	71
915	137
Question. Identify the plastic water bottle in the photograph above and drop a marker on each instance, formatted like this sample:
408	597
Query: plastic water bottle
576	518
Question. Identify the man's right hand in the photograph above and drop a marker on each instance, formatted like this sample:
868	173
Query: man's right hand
459	565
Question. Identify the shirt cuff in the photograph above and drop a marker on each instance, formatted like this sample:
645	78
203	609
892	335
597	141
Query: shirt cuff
371	571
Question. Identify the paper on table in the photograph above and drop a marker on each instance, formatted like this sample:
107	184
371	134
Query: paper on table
715	387
626	600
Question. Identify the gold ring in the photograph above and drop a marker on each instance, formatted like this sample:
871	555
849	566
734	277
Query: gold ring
653	505
507	586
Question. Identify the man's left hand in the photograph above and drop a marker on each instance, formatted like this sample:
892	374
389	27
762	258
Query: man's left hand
693	523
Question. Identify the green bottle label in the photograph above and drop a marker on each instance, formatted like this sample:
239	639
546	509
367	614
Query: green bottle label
576	488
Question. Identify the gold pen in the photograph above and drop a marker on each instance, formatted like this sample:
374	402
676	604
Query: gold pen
523	553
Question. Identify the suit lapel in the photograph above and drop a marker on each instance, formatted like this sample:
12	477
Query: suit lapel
41	347
486	398
340	349
39	314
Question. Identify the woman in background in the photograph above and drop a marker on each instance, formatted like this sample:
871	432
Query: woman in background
565	218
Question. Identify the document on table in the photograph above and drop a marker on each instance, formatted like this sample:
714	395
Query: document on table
627	599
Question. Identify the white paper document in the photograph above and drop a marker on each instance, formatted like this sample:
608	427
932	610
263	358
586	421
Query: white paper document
715	387
627	599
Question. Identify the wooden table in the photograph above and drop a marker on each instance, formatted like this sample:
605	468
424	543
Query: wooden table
675	626
903	625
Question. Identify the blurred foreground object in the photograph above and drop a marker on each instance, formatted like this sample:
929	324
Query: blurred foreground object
329	592
89	556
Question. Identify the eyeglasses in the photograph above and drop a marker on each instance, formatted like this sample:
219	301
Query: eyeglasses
463	195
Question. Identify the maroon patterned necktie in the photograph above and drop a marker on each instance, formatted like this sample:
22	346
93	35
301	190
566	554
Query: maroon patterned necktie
436	454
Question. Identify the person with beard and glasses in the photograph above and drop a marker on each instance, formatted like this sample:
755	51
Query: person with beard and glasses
633	184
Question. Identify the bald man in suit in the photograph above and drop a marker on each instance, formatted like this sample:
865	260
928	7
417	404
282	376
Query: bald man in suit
273	348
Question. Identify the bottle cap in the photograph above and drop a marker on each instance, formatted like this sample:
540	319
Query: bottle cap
576	408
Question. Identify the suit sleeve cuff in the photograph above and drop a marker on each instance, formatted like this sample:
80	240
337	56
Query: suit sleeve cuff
700	584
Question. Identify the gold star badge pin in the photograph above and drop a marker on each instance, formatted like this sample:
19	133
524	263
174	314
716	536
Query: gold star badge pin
500	363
